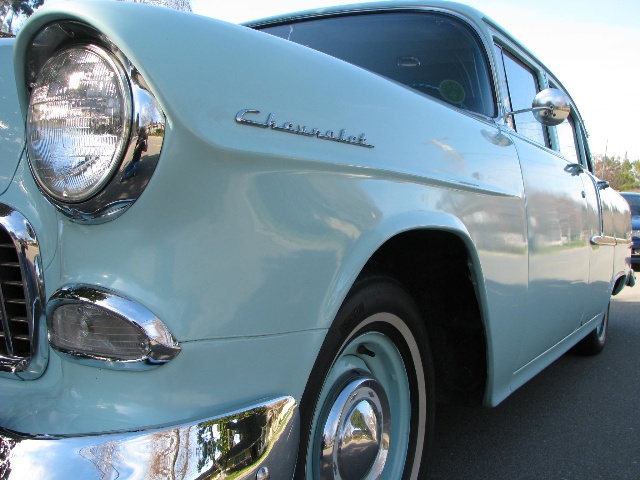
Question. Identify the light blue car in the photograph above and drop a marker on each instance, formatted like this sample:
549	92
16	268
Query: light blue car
265	251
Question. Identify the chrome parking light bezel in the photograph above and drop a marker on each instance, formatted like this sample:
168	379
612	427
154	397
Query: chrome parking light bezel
163	346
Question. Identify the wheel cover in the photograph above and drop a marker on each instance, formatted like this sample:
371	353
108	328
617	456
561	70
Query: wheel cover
362	422
355	436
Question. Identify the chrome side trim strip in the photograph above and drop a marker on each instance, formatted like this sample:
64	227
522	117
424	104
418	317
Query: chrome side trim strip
28	252
263	437
603	240
163	346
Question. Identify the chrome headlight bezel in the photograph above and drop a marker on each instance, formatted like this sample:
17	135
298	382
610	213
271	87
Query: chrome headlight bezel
133	164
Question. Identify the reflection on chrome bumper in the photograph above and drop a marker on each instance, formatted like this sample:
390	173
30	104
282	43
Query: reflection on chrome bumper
261	438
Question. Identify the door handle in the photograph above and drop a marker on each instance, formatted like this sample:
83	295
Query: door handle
574	169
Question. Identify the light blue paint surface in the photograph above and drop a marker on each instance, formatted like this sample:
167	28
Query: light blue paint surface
11	123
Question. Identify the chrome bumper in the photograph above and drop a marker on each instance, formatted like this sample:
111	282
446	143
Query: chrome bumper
258	442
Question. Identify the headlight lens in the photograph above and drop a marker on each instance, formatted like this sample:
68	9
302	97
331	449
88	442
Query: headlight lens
78	123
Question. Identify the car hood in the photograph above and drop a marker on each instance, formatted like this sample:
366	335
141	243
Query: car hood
11	123
635	222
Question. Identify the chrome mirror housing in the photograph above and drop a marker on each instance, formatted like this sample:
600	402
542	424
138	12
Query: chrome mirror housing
550	107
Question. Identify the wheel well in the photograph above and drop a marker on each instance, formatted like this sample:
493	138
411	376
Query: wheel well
619	285
433	267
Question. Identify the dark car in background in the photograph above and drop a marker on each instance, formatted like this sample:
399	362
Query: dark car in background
634	203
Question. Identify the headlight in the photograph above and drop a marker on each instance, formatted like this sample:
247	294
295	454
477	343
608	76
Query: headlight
94	128
78	122
635	233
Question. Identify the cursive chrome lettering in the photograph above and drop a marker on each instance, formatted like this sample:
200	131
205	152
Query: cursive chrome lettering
290	127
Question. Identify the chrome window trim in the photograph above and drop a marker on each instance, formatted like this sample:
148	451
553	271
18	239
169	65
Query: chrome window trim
163	346
604	240
122	190
518	54
507	44
28	250
263	439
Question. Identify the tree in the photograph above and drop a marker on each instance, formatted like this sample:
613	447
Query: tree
622	175
12	9
184	5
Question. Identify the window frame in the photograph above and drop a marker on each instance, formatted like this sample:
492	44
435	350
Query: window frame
502	40
504	47
579	131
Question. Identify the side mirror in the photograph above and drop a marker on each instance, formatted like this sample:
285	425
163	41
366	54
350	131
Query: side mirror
550	107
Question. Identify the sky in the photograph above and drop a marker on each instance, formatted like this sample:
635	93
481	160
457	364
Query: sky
592	47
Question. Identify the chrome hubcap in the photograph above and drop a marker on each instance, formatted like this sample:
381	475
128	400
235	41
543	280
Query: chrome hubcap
355	435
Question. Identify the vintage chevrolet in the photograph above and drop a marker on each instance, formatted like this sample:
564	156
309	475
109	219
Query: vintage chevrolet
267	251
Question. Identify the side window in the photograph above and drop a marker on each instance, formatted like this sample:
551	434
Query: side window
567	145
582	135
522	85
432	53
567	137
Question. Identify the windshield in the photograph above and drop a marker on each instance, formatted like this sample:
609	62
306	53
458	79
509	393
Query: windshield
432	53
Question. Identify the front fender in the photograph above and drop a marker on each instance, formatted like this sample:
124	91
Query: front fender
269	210
11	123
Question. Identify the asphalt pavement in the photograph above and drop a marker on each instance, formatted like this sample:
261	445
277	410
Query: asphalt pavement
577	420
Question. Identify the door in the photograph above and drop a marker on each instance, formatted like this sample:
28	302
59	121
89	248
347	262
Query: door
571	143
559	222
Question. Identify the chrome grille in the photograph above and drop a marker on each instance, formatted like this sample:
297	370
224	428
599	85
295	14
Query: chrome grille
14	333
20	295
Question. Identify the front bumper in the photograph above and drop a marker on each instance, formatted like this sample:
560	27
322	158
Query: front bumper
257	442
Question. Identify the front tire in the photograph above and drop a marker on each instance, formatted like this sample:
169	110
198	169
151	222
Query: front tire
367	411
